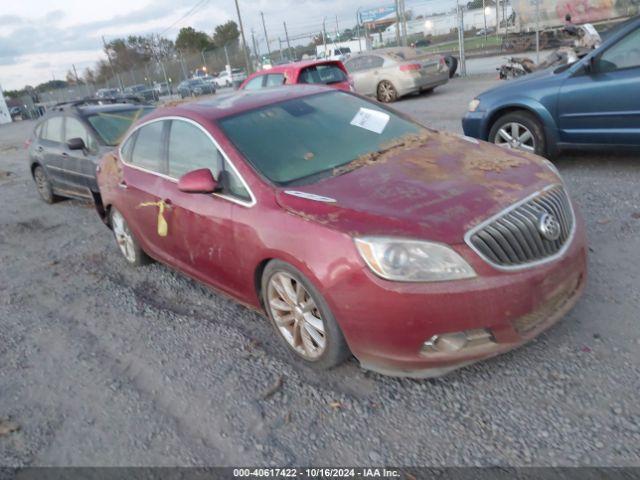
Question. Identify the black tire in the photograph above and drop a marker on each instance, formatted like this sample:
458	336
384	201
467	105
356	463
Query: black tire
529	121
336	350
138	257
386	92
43	185
452	64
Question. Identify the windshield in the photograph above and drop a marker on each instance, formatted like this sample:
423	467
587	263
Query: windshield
304	139
111	126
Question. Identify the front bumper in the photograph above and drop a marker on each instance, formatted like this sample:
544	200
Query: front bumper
473	124
386	323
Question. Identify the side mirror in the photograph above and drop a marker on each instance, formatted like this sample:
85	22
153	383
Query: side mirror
76	144
198	181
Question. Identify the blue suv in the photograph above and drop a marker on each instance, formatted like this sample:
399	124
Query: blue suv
591	104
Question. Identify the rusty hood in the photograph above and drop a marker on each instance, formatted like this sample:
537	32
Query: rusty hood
433	186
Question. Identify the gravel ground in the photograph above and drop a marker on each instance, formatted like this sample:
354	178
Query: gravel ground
102	364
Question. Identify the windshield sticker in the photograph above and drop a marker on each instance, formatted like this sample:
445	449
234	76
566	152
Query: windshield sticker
372	120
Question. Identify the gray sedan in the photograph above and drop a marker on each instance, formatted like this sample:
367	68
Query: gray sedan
390	73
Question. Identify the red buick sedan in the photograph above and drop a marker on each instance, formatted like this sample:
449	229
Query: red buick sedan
357	230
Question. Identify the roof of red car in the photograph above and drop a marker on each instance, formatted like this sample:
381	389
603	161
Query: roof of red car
295	66
241	101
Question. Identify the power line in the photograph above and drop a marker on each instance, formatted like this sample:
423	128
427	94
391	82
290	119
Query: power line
193	10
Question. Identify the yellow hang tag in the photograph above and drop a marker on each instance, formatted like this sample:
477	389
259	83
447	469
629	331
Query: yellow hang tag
163	226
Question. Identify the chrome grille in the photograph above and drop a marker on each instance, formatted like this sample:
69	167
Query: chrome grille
514	238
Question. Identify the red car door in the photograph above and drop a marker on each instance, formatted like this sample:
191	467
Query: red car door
201	230
143	187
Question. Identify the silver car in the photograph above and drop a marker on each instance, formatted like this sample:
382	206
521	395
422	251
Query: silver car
390	73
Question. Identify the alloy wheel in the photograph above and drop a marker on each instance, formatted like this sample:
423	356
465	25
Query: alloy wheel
515	136
296	315
123	236
386	92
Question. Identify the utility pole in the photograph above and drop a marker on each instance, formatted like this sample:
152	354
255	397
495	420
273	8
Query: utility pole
397	4
113	72
75	73
226	57
286	34
244	41
463	62
256	52
266	37
324	34
280	49
358	28
403	20
337	29
204	60
164	72
484	15
537	31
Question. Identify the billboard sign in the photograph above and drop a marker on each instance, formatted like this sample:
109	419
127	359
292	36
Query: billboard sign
375	14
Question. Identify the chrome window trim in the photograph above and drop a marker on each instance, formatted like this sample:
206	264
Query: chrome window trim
536	263
244	203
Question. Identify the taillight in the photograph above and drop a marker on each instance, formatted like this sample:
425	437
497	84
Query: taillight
442	61
409	67
27	143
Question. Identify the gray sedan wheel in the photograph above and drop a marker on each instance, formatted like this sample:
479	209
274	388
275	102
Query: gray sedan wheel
387	93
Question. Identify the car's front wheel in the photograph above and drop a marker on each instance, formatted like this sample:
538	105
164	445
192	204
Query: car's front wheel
519	131
301	317
128	245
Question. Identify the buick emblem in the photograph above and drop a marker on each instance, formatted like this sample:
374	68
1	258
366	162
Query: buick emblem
549	227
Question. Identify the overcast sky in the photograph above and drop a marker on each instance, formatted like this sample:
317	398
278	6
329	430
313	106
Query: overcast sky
40	39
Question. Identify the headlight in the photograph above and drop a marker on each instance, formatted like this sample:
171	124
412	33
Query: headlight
412	260
474	104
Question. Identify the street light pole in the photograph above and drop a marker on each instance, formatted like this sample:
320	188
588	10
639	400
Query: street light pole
244	41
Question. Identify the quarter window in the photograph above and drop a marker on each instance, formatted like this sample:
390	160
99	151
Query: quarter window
624	54
52	130
275	79
147	151
254	83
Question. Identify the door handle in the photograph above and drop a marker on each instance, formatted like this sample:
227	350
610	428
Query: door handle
123	185
167	202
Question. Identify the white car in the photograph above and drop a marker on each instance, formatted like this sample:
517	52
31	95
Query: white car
226	79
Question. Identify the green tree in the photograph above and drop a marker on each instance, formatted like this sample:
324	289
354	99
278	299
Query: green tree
190	39
226	34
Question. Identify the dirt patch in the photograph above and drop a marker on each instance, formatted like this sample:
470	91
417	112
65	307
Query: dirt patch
403	143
